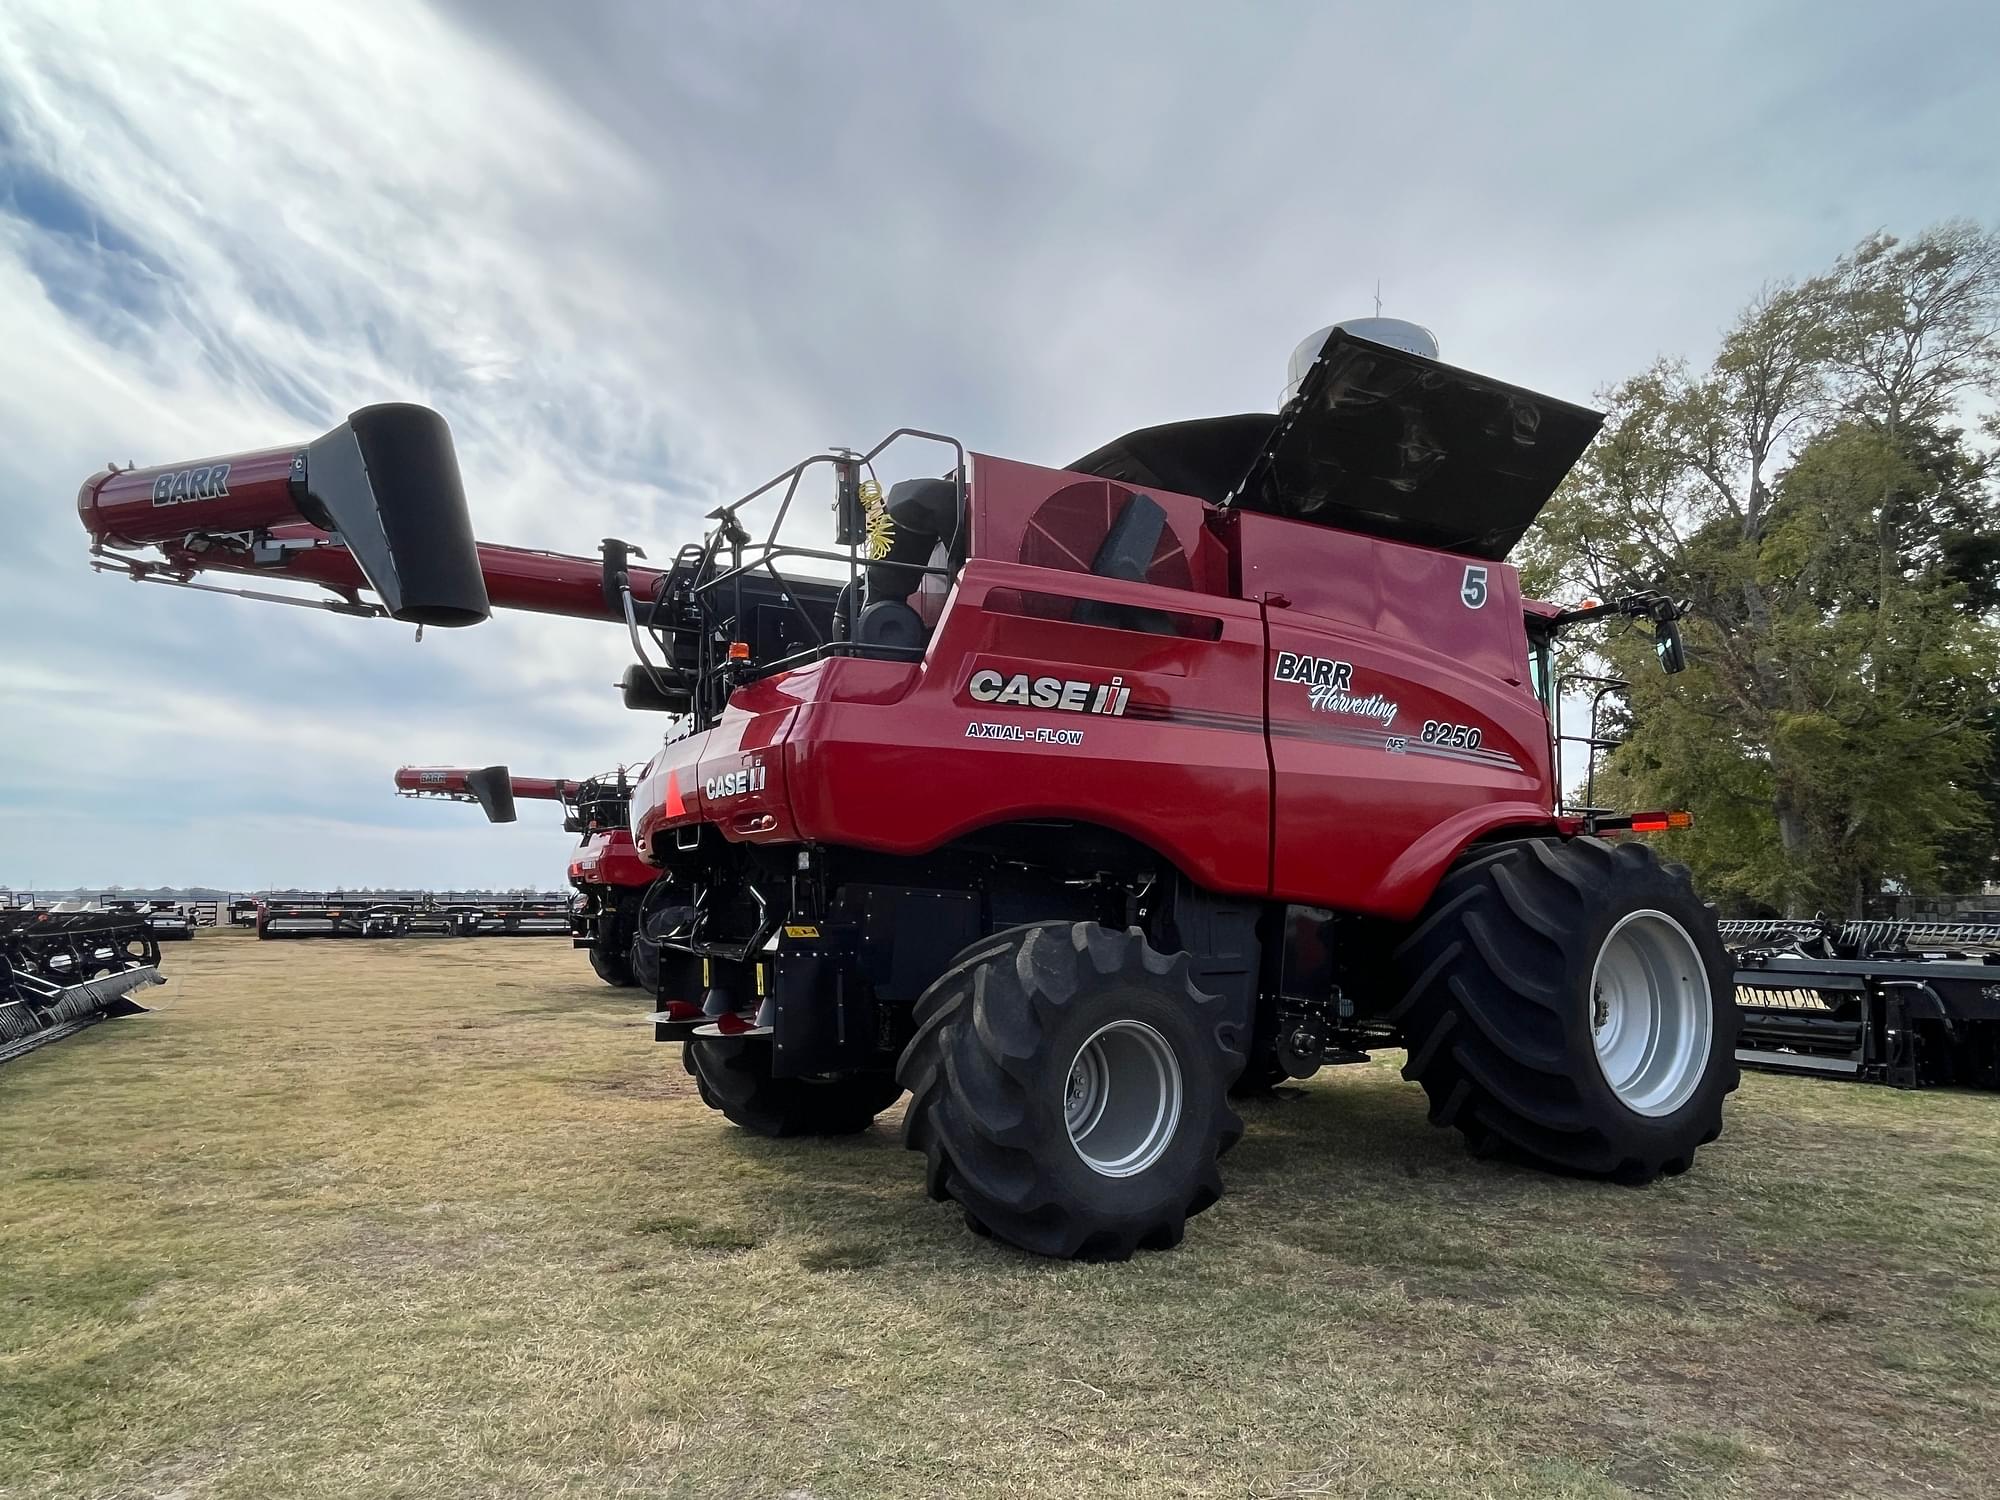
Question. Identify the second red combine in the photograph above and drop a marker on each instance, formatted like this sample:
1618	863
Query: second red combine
606	873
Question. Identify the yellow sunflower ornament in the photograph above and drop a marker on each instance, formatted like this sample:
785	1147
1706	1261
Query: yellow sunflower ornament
881	529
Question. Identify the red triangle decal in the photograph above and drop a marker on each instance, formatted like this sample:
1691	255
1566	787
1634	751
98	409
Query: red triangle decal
675	807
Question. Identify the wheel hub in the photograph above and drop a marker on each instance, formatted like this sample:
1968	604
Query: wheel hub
1122	1098
1652	1017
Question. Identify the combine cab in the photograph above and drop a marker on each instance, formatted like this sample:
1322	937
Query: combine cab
1078	802
63	971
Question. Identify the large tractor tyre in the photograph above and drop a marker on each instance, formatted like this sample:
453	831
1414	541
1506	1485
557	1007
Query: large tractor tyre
1571	1003
613	969
611	952
1069	1088
734	1077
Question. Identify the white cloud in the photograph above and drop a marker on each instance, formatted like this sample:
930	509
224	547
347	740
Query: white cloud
642	256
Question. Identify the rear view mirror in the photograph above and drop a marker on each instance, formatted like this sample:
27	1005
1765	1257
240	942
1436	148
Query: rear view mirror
654	692
1667	646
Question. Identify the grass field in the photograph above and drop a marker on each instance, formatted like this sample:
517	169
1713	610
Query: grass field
438	1218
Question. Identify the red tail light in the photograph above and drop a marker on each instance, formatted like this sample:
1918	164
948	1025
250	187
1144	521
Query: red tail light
1660	822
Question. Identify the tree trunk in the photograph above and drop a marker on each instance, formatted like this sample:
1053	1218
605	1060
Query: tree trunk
1792	839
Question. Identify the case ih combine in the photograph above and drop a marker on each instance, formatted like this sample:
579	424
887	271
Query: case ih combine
609	878
1075	798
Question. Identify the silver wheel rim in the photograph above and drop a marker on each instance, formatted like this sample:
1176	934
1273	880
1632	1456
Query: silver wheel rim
1122	1098
1652	1019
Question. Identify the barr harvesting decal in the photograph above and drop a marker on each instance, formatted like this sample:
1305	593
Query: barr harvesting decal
1329	687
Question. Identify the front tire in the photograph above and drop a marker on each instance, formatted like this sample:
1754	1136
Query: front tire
611	950
613	970
1571	1002
733	1075
1068	1087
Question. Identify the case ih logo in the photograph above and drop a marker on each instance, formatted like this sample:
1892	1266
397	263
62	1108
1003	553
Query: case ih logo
1023	691
211	482
734	783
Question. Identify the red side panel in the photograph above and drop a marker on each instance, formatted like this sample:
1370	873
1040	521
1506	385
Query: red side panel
1173	757
1402	723
610	859
1014	715
731	775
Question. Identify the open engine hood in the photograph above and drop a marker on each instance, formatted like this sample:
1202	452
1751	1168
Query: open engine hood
1378	441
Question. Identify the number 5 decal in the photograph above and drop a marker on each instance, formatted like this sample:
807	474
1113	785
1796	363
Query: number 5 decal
1473	590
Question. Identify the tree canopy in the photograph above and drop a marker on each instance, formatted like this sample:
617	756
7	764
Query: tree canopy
1823	493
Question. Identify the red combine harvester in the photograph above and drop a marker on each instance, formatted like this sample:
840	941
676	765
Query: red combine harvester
1079	799
609	878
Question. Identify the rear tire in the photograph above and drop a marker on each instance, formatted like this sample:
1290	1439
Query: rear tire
1069	1089
734	1077
1571	1003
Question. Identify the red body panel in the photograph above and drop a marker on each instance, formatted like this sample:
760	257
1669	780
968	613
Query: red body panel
609	858
1426	737
1436	737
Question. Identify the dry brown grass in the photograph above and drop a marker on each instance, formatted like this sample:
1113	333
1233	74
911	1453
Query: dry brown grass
436	1218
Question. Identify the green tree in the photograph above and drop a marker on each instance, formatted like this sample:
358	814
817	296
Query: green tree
1813	496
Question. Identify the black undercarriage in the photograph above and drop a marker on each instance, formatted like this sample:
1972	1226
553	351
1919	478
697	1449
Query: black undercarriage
826	950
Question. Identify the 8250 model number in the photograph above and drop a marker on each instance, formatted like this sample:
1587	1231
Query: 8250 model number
1457	736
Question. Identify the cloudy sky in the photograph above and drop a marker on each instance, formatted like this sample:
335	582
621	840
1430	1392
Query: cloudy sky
642	256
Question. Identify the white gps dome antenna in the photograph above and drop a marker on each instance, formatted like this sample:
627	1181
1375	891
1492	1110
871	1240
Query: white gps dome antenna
1397	334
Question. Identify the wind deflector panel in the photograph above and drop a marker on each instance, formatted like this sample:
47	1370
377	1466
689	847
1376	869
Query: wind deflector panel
387	481
1397	446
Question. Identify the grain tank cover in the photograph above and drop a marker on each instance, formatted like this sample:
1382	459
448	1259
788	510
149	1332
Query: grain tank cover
1391	444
